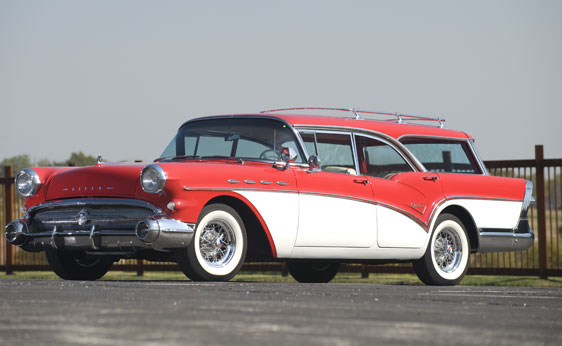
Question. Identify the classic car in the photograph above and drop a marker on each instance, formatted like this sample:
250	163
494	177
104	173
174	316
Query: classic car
310	190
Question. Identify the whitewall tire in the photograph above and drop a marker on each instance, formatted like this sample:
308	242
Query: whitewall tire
445	261
219	245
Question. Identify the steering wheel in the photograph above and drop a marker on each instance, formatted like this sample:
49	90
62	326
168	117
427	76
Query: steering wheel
270	154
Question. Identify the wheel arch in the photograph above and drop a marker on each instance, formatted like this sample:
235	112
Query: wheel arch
260	242
468	223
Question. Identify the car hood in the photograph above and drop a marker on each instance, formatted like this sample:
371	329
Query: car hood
114	180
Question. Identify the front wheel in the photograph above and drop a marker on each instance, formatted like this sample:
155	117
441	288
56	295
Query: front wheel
218	248
77	265
445	261
309	272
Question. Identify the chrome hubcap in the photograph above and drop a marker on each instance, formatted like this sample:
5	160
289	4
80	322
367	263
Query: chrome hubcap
447	250
217	243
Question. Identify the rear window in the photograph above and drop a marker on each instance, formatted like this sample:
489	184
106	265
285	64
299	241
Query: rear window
439	155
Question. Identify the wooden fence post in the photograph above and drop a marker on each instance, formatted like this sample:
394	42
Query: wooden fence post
541	209
9	214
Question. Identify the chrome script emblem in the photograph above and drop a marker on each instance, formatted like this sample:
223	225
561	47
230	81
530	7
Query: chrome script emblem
82	217
420	208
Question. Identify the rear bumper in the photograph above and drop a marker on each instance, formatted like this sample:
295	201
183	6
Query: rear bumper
153	234
498	240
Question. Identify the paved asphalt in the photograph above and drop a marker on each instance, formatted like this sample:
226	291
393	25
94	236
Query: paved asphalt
34	312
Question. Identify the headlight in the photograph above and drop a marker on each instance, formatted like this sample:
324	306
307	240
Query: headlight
27	182
153	178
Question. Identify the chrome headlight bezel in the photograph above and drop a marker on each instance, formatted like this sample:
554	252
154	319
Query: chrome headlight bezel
27	182
153	178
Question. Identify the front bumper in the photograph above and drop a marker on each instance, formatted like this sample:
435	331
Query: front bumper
161	235
498	240
97	224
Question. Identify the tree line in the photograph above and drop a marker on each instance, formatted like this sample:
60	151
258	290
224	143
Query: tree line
19	162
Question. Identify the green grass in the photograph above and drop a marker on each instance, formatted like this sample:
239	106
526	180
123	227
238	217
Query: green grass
387	279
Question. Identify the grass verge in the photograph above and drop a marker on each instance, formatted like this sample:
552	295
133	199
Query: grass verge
387	279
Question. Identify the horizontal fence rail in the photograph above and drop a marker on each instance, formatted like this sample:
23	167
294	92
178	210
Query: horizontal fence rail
543	259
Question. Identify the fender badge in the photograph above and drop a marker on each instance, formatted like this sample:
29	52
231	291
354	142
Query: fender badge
420	208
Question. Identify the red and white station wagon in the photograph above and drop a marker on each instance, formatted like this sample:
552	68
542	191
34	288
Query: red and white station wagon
310	190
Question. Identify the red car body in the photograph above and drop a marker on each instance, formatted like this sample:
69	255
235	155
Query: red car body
383	191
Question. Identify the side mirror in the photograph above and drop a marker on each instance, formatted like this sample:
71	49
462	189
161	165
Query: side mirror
313	162
288	154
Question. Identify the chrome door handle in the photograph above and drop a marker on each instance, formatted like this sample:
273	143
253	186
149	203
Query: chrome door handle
361	181
432	178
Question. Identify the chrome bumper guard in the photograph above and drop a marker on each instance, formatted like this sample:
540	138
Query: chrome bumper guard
158	234
519	239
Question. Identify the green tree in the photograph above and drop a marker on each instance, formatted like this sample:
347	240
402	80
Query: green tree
78	159
18	162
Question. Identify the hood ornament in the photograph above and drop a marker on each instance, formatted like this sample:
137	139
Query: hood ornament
100	159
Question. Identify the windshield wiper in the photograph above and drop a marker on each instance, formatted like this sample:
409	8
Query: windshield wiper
179	157
222	157
197	157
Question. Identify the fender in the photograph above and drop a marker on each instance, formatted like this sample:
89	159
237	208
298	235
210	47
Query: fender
197	198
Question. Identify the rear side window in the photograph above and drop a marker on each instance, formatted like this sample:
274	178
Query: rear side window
378	159
438	155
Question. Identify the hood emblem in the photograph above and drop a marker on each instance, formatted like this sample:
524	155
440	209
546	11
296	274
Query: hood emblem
82	217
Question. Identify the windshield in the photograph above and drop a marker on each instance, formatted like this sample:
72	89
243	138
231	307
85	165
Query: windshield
240	138
443	155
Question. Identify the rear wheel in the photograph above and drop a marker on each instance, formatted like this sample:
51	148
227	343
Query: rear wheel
310	272
445	261
77	265
219	246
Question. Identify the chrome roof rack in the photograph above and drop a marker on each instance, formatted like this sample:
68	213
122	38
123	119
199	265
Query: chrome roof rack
397	117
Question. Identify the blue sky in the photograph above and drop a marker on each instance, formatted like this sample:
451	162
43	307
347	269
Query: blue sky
118	77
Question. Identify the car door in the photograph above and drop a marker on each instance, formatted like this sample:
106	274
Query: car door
405	197
335	203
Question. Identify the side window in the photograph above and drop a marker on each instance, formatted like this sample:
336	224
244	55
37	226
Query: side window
378	159
334	151
441	155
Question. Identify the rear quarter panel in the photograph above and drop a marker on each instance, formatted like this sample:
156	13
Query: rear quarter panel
493	202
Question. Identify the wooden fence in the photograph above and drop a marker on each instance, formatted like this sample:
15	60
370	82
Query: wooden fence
543	259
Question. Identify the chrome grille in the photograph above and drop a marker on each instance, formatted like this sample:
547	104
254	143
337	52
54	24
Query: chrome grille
82	216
